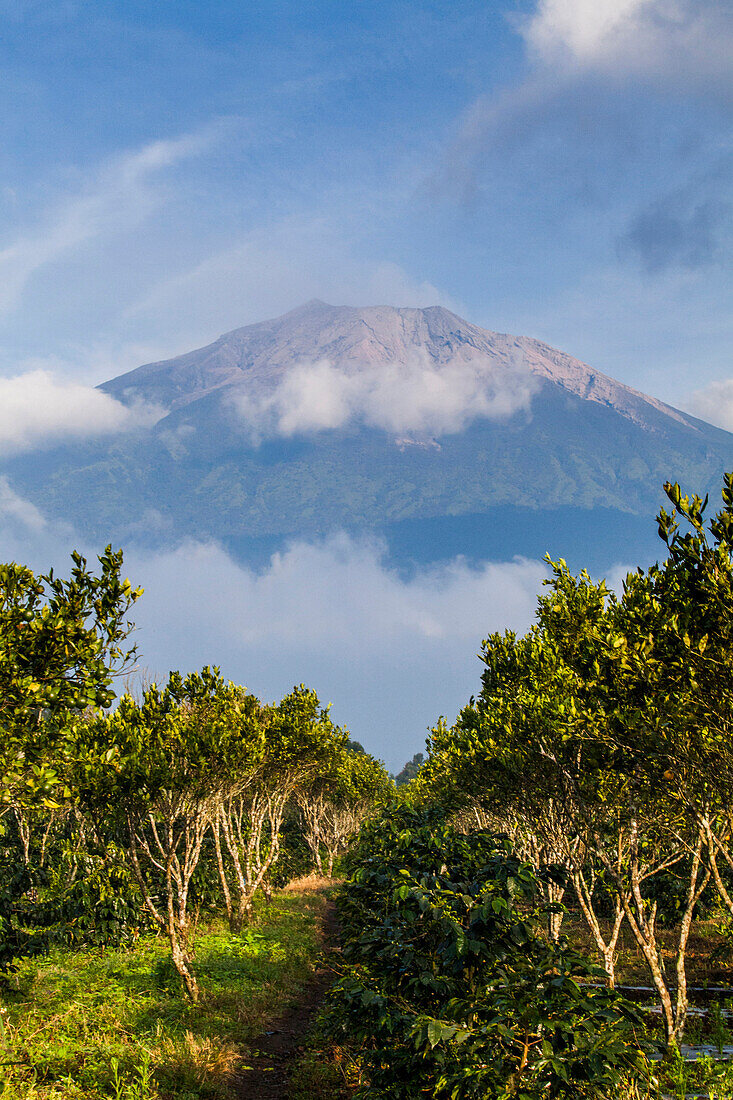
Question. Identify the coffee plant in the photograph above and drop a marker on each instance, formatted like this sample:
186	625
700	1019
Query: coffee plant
452	988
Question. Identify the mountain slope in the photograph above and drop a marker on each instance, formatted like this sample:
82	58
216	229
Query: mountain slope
259	355
563	449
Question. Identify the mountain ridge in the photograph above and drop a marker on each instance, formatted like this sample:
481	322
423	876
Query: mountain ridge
576	464
254	353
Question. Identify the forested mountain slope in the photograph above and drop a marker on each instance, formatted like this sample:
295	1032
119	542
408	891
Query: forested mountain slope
412	422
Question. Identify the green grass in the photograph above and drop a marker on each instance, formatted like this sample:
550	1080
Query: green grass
86	1025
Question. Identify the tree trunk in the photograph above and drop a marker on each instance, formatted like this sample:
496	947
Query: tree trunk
555	894
641	917
715	845
222	869
606	948
695	888
182	963
177	938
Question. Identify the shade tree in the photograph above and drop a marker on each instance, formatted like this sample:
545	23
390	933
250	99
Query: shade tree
690	668
299	740
154	773
337	800
62	642
565	721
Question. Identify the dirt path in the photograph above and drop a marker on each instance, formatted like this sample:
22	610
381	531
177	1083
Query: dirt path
274	1054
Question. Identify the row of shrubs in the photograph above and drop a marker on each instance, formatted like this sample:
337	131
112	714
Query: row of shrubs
452	987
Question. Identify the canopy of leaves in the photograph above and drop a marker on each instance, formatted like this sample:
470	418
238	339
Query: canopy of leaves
61	644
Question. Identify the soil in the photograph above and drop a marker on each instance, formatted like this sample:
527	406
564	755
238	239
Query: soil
274	1054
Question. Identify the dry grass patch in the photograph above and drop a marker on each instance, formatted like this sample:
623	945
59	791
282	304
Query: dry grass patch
309	884
207	1064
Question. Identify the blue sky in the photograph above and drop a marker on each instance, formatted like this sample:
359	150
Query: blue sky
559	168
554	168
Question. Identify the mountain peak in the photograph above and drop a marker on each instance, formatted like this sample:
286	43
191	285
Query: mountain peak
353	338
314	305
422	427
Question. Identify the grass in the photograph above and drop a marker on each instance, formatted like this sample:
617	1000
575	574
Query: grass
113	1024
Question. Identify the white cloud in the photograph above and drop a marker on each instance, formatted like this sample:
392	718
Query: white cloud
392	653
340	592
414	397
15	509
684	38
37	409
714	403
585	29
118	196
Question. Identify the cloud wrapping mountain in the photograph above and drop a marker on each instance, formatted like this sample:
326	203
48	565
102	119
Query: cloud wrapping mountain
392	652
39	410
411	423
346	551
413	397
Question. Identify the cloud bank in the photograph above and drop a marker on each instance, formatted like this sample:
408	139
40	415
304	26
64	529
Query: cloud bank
714	403
340	592
37	410
415	397
686	39
14	509
392	653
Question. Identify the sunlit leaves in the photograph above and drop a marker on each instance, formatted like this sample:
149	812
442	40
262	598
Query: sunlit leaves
61	644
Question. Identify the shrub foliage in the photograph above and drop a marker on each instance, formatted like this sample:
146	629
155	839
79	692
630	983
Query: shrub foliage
453	989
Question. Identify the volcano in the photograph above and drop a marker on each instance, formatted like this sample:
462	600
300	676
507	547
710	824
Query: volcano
412	425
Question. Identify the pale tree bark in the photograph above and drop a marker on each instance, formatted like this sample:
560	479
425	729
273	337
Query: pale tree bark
607	945
223	878
342	825
544	836
24	833
168	842
717	840
312	809
585	879
250	823
549	833
545	833
329	825
648	851
641	914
